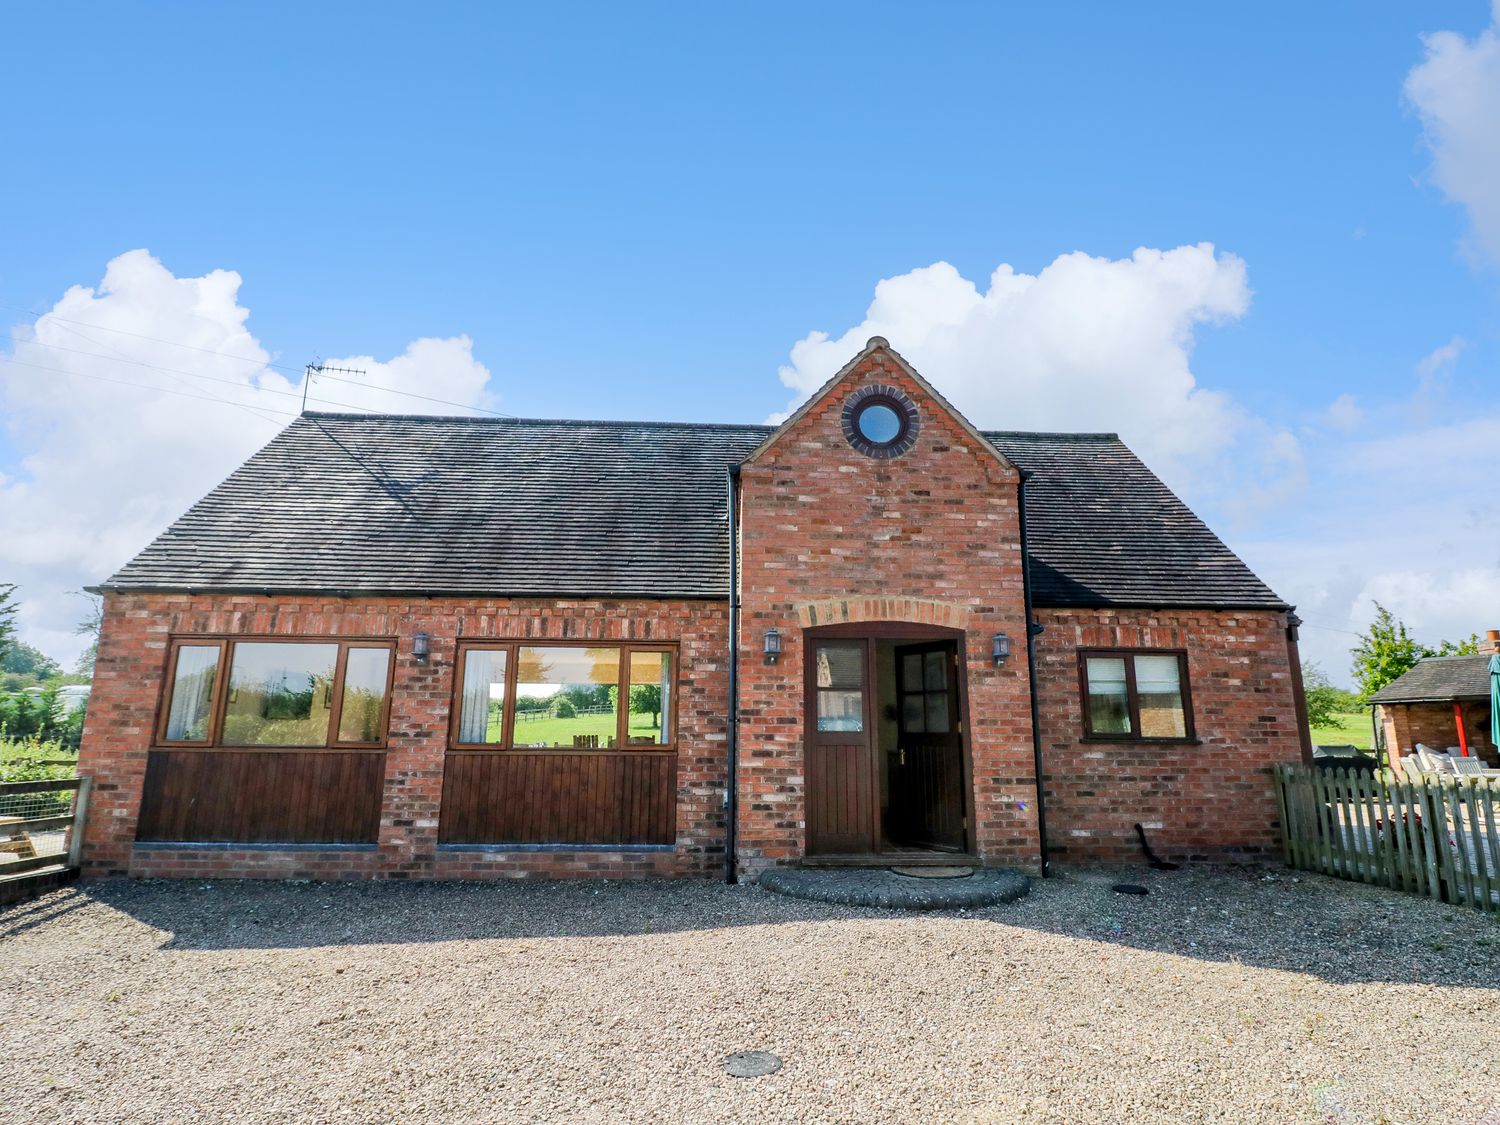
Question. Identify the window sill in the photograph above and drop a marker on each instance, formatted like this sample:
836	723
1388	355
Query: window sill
258	846
1106	740
200	747
556	847
562	749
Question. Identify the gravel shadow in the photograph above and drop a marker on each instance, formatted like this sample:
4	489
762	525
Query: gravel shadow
1264	917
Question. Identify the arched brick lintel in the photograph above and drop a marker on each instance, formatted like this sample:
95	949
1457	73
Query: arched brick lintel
924	611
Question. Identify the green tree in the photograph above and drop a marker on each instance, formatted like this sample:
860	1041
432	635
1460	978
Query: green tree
22	659
1469	646
1386	650
89	626
8	608
562	707
646	699
1324	701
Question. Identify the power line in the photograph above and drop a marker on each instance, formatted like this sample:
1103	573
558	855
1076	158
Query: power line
187	394
78	332
38	316
269	390
142	386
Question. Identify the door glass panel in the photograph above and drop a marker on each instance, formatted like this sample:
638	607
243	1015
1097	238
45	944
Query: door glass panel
192	693
839	672
937	712
911	671
650	699
363	703
937	671
913	715
1109	703
1158	683
567	697
279	694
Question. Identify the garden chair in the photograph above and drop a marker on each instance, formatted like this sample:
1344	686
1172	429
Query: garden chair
1472	767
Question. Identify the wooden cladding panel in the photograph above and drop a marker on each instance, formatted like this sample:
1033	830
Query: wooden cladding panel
555	797
840	800
262	797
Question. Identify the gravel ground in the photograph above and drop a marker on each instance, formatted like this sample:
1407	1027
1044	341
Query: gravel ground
1223	996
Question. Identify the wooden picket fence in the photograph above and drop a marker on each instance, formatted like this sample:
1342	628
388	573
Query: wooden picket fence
1434	836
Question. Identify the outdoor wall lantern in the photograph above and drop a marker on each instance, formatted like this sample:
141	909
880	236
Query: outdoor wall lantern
999	649
421	647
773	645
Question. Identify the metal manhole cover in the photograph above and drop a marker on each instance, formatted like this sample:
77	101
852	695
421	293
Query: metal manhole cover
751	1064
933	872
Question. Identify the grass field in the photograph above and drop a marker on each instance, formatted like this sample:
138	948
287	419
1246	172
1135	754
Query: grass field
1350	728
559	732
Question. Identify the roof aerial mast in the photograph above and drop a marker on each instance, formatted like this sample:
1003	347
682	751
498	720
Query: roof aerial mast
321	368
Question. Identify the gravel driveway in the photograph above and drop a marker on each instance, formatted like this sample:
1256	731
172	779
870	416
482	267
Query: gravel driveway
1223	996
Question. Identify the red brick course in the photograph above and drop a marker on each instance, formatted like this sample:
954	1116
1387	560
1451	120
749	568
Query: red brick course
1210	799
127	692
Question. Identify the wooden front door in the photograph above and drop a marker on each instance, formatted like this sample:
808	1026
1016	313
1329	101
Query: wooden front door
927	783
841	791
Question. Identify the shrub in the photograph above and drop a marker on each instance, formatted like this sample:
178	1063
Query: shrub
36	759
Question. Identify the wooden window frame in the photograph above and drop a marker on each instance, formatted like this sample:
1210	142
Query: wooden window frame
219	701
512	671
1132	695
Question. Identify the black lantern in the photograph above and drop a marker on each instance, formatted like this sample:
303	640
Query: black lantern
999	649
773	645
421	647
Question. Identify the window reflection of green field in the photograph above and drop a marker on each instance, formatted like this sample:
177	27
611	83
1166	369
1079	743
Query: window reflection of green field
549	731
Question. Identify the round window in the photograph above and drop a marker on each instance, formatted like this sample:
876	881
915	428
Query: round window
878	424
880	421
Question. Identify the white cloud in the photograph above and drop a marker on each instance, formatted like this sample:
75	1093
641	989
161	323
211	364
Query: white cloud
1456	90
1409	517
1344	412
103	467
1434	371
1085	344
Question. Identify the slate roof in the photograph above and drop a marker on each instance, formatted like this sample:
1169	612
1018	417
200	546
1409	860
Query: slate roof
1439	679
509	507
1103	530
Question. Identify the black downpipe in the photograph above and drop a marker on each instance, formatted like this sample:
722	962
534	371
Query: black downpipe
1032	629
732	730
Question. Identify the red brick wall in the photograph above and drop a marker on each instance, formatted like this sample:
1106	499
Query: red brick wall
821	522
127	691
1208	799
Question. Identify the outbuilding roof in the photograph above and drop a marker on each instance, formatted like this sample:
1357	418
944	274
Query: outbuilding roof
341	503
1439	679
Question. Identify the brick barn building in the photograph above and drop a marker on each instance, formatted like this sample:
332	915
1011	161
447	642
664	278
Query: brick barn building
454	648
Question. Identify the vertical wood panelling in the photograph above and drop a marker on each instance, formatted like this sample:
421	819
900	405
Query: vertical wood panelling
262	797
556	797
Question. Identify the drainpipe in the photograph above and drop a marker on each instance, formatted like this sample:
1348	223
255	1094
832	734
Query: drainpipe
1299	695
1032	629
732	730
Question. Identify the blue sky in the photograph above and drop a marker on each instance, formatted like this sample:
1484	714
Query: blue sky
638	211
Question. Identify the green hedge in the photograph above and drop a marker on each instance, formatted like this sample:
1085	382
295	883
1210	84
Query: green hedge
33	759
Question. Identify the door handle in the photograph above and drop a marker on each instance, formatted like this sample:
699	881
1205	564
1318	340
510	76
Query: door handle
901	756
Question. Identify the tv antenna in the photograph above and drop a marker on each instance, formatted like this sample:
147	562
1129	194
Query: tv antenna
321	368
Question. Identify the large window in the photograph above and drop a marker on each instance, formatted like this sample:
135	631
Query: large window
281	693
1135	694
553	696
